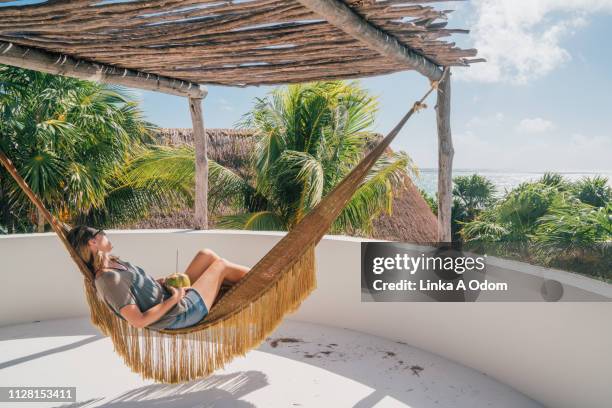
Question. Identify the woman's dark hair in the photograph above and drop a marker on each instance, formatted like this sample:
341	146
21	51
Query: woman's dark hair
78	237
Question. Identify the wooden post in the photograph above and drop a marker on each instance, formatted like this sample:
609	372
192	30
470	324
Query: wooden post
445	159
201	164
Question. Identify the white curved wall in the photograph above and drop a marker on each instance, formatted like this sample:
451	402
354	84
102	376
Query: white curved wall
557	353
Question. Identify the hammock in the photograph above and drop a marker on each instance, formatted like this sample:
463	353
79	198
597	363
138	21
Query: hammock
243	316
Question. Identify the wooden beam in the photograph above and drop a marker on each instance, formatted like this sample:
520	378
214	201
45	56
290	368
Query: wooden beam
201	163
53	63
445	159
343	17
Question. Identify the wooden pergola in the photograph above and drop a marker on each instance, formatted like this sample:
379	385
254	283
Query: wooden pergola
178	46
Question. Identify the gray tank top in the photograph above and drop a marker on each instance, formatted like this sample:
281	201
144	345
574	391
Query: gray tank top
133	286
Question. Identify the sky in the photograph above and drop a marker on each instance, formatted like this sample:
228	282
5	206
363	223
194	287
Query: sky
541	102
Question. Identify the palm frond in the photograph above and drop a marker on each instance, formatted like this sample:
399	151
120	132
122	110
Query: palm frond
260	221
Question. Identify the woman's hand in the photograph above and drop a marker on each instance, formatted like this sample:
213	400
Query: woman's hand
177	293
161	281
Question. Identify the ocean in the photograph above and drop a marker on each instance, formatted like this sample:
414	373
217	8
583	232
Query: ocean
503	180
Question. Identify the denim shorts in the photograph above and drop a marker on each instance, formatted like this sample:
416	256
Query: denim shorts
196	310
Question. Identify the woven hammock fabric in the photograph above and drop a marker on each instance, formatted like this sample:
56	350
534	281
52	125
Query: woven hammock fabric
244	316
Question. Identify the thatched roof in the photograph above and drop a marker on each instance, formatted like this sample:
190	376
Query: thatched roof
410	221
216	136
238	43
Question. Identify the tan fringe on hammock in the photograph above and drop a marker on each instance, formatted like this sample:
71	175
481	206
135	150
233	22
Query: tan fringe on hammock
240	319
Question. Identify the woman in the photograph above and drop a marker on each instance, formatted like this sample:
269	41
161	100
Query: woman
147	302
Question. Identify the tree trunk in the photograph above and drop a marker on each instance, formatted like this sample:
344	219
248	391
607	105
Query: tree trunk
445	159
201	164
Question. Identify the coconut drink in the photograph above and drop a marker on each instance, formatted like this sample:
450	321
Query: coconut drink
178	280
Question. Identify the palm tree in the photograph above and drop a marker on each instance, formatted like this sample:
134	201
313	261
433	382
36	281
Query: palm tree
550	222
309	137
474	193
573	227
471	195
515	216
69	140
594	191
555	180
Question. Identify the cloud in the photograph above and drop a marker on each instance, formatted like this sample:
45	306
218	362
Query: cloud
478	121
588	151
535	125
577	152
522	40
591	143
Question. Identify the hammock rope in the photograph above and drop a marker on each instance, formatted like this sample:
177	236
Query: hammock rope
249	311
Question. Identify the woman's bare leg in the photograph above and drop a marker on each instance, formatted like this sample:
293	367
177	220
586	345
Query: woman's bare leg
202	261
235	272
209	283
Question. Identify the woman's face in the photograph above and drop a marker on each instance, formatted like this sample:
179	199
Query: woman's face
101	242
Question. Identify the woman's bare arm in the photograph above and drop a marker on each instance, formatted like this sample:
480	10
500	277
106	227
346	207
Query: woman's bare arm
138	319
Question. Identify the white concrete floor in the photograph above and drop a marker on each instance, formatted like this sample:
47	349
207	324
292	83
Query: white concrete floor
299	365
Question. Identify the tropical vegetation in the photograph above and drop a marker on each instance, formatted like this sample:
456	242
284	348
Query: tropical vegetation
70	140
550	221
